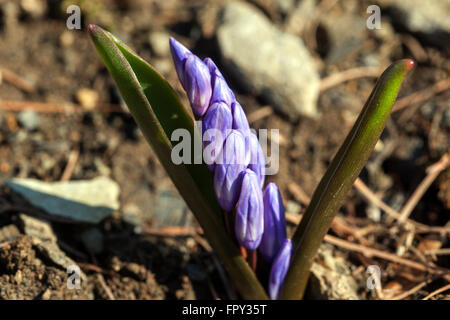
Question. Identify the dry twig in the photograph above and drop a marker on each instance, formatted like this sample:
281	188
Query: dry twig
433	171
370	252
259	114
105	287
411	291
173	231
347	75
71	162
16	80
56	108
422	95
444	288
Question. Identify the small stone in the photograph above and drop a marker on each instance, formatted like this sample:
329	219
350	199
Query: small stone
29	119
66	38
52	251
18	277
83	200
88	98
134	270
302	16
171	210
47	294
159	41
331	279
293	207
346	34
268	62
102	168
285	6
9	232
37	228
35	8
133	215
428	18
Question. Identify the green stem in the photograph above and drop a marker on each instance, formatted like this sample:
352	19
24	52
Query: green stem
340	175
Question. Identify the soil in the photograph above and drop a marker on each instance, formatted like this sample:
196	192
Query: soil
131	265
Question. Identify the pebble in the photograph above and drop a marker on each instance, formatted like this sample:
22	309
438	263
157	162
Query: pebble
159	41
268	62
9	232
87	98
429	18
83	200
29	119
37	228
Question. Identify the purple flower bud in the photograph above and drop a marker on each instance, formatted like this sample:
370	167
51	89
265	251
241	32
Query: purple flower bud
249	225
216	125
240	121
221	90
179	55
213	69
274	223
227	172
257	161
197	84
280	267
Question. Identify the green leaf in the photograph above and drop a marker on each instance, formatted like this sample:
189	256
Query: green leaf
340	175
158	112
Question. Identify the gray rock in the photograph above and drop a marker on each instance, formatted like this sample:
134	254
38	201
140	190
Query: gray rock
132	214
170	210
93	240
346	33
426	17
35	8
285	6
159	41
29	119
331	279
37	228
9	233
51	250
301	16
266	61
293	207
84	200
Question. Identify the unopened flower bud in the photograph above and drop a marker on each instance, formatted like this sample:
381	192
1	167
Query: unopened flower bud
198	85
179	54
249	224
274	223
213	69
257	161
230	163
217	123
280	267
240	121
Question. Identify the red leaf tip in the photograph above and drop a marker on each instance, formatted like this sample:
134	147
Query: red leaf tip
410	63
